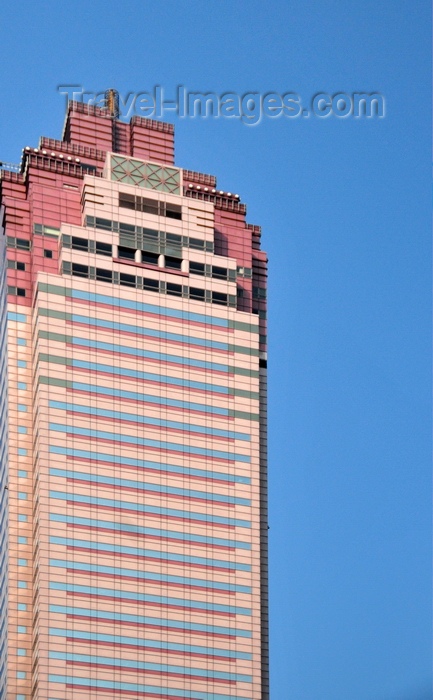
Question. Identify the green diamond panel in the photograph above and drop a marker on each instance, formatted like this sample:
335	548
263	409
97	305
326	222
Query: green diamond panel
148	175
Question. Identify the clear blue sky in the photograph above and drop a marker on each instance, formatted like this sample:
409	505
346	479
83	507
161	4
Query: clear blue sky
345	210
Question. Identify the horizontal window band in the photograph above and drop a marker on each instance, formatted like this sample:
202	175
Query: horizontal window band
135	236
148	308
143	486
147	332
149	621
131	666
145	442
115	639
147	420
149	257
148	376
155	690
147	398
137	666
149	531
135	352
143	508
147	464
107	548
164	579
143	598
18	318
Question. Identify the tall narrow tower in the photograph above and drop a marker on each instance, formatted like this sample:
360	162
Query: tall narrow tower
133	524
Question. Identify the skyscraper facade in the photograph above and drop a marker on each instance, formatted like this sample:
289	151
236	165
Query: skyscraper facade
133	524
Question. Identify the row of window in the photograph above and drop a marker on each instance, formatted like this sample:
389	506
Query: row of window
84	244
138	238
150	206
133	236
16	291
147	256
16	265
18	243
244	272
215	271
138	282
43	230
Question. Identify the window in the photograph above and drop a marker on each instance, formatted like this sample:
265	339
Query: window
79	243
127	280
151	285
21	629
219	272
259	293
22	540
149	258
84	244
22	518
150	206
104	275
80	270
173	263
173	211
48	253
198	244
125	228
21	652
22	584
98	222
196	293
219	298
174	289
16	291
126	253
21	341
103	248
173	245
196	268
16	265
127	201
42	230
19	243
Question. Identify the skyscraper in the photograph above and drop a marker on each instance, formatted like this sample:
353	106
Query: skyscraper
133	423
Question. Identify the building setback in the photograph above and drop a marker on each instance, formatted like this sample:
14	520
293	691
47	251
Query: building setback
133	423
